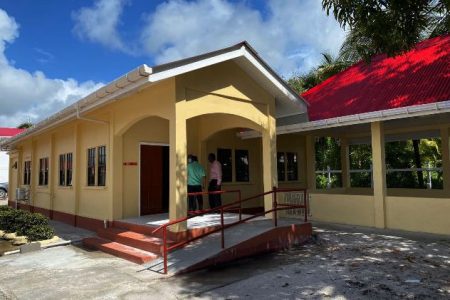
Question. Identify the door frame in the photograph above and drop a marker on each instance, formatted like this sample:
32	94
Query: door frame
139	169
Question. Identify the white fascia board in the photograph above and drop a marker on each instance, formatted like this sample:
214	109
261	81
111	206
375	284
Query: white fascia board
382	115
294	98
158	76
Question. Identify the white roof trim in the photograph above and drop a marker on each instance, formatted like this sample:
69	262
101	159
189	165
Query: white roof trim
112	91
144	75
277	83
242	52
196	65
381	115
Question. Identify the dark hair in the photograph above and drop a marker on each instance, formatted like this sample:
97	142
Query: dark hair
211	157
194	158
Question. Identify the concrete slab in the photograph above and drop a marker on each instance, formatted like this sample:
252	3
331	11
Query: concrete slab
31	247
70	233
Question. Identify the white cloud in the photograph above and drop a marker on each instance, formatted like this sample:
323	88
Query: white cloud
290	36
25	95
99	23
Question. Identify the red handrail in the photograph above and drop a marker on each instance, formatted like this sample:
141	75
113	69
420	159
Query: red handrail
226	207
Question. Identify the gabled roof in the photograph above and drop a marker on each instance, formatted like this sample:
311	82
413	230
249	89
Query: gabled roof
289	105
420	76
6	132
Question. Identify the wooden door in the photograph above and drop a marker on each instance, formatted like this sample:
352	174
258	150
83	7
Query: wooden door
153	195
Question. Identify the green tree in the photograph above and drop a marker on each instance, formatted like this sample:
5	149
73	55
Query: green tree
25	125
329	66
388	26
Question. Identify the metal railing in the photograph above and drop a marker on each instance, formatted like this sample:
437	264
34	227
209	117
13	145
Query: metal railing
230	207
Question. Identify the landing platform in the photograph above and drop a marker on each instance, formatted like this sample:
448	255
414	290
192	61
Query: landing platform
203	221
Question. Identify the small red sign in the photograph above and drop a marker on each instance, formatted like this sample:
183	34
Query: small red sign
130	163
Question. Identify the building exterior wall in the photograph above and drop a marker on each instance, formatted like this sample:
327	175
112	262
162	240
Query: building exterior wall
342	208
185	112
151	130
418	214
63	196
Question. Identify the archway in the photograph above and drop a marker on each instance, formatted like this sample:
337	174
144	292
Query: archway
145	167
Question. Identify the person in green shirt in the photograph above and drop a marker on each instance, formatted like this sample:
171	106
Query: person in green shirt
196	177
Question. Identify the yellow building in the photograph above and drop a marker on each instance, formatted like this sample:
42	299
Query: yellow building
122	151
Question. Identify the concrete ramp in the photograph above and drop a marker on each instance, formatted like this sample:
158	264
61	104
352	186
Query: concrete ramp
242	240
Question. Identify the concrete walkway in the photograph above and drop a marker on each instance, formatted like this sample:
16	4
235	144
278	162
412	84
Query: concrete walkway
70	233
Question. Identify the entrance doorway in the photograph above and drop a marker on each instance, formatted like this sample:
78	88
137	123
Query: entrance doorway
154	179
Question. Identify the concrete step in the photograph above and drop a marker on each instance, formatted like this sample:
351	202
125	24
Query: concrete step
134	239
143	229
120	250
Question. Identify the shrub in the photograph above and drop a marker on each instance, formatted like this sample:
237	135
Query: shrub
32	225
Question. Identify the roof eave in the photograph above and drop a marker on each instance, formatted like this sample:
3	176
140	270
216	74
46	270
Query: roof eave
363	118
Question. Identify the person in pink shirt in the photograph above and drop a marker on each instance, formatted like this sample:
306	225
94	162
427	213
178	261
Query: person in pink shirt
215	181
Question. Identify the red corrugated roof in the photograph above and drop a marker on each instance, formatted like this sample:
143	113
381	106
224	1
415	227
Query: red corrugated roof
9	132
420	76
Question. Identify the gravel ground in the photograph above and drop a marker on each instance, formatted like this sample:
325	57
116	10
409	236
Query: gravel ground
342	262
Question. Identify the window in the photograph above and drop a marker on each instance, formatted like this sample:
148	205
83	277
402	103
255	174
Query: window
96	157
27	172
43	171
101	181
328	163
281	166
414	163
65	169
360	161
292	166
287	166
69	169
224	157
91	167
242	165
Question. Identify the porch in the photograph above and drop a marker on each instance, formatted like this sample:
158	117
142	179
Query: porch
212	236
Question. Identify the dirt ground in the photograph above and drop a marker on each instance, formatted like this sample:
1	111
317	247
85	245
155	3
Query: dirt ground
352	263
342	262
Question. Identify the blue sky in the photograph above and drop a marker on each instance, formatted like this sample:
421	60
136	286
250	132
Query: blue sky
54	52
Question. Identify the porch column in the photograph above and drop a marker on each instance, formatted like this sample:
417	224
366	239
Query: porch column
310	163
178	169
116	174
269	155
379	174
445	158
345	163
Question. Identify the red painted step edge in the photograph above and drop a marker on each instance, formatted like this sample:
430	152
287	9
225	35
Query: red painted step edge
123	251
133	239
